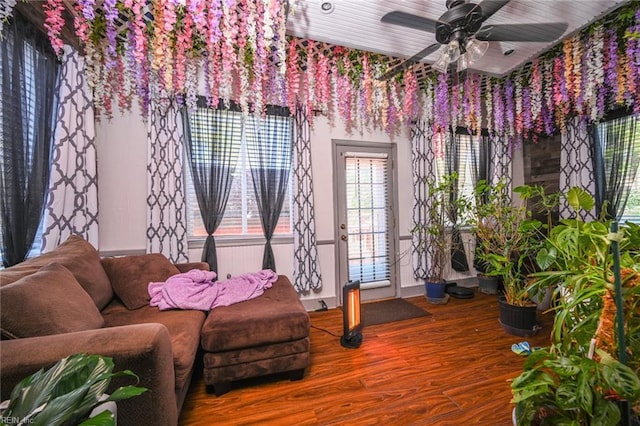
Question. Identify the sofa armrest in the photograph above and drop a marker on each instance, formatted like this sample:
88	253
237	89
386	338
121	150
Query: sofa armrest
186	267
144	349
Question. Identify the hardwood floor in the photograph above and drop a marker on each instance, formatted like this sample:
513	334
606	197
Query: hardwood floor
450	368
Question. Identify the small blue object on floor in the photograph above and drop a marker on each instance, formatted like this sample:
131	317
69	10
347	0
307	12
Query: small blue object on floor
523	348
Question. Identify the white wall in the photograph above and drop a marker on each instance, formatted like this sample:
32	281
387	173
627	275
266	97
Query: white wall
122	160
122	186
122	182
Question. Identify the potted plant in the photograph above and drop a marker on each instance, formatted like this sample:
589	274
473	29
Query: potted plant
485	196
579	379
433	232
71	392
573	262
560	387
509	237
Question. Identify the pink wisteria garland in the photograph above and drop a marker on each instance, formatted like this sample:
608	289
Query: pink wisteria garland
53	23
238	38
240	49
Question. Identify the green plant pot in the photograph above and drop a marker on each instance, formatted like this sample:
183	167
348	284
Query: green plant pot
518	320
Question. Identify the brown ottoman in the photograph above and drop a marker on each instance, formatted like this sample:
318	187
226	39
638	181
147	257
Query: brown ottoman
265	335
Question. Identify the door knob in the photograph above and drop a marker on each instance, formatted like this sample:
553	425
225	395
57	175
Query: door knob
343	226
343	238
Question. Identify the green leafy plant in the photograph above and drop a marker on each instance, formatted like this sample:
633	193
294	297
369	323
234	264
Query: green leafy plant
433	231
575	262
566	384
66	393
558	389
507	236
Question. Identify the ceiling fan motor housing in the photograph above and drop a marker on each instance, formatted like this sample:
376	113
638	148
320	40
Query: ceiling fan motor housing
461	20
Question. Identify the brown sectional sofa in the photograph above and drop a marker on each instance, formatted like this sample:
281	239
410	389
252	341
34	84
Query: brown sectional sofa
69	301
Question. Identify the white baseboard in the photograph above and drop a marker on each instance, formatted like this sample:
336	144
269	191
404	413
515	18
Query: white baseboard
313	304
412	291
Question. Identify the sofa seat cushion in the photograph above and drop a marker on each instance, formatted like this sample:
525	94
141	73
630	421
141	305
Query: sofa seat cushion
130	276
183	326
50	301
274	317
78	256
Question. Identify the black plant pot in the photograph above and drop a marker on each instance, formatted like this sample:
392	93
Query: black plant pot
518	320
488	284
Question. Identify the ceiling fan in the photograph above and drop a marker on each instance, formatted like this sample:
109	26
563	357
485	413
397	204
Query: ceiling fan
462	33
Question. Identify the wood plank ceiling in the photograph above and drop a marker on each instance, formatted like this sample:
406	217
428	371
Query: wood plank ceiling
356	24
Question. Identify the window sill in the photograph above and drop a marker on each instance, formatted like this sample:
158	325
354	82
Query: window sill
229	241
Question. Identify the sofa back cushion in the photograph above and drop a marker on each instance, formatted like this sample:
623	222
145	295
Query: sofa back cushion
130	276
49	301
78	256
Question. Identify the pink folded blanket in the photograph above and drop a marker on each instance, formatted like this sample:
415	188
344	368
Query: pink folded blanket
196	289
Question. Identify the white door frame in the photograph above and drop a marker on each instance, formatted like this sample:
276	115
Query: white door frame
340	146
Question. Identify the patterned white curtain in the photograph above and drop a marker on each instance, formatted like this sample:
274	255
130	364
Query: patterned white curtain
306	268
72	203
166	209
423	156
501	162
576	164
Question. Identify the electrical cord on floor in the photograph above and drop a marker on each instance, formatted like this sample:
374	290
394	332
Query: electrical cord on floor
325	330
323	307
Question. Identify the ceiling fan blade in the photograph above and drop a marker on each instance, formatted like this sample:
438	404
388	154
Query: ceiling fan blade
543	32
489	7
410	21
412	60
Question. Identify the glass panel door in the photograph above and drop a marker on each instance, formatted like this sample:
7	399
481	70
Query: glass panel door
365	216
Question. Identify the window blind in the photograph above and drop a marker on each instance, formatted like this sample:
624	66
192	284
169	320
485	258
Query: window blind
367	195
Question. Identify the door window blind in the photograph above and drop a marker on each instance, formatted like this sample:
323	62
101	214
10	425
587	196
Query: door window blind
367	201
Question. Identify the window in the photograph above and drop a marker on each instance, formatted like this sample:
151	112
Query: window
27	113
632	209
466	154
616	154
241	215
367	206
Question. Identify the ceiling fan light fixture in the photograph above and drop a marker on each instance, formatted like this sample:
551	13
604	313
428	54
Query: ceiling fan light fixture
475	49
463	62
441	64
452	51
